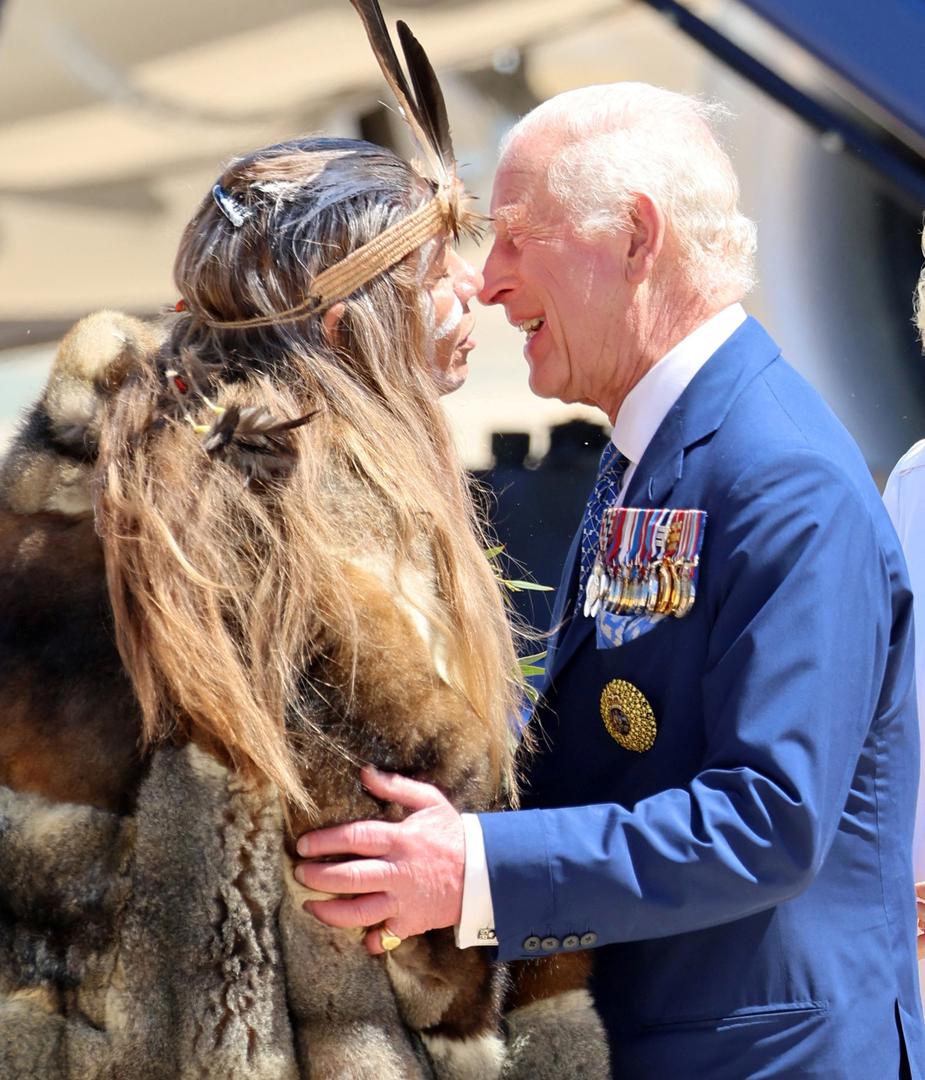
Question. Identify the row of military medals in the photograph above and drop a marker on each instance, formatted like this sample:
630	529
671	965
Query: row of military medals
646	562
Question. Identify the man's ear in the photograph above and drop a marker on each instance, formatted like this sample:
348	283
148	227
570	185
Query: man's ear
647	235
329	321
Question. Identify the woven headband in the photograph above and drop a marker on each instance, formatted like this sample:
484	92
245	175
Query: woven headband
342	279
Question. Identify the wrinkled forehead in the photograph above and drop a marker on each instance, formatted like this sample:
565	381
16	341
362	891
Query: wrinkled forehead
521	186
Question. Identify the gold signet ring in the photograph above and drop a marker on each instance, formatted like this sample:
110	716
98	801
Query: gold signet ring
387	939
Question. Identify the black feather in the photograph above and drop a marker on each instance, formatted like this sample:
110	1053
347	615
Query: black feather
424	110
254	441
427	92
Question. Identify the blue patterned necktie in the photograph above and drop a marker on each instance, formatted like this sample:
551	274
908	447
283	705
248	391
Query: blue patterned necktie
604	493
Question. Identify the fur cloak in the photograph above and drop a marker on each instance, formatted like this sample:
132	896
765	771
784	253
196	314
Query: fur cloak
150	926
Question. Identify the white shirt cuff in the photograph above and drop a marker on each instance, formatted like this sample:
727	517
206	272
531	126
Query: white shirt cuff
477	919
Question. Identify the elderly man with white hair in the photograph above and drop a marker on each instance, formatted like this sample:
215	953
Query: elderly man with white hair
721	798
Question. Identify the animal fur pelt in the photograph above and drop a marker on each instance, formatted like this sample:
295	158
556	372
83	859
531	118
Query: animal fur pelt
150	926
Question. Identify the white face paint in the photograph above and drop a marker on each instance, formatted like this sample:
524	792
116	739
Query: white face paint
451	293
451	321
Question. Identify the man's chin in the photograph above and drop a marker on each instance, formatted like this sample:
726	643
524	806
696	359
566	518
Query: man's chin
543	388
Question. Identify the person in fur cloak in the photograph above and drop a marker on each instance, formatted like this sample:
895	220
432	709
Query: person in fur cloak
240	561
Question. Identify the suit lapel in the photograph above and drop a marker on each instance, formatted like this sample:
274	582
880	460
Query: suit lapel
696	414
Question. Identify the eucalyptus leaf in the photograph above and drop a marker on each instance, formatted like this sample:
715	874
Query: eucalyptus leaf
519	586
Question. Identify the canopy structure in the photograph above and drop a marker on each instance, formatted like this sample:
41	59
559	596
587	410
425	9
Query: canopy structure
874	106
879	48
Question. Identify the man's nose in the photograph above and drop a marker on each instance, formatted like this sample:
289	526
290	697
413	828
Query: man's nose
494	277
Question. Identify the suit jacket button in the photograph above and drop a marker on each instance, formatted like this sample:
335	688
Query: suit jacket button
571	941
550	944
589	939
532	943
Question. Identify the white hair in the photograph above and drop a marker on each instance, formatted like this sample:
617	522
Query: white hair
624	139
918	301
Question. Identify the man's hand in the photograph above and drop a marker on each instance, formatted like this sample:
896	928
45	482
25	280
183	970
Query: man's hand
410	873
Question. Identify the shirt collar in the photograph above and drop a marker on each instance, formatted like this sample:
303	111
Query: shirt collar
648	403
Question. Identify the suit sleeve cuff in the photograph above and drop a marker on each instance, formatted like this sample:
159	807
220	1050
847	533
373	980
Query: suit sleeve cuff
477	920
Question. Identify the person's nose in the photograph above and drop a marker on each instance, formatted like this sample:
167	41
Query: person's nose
467	279
496	276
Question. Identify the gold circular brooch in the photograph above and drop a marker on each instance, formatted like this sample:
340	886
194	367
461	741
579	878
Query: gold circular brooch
628	716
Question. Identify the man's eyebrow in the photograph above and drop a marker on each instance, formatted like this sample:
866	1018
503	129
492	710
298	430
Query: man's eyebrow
506	217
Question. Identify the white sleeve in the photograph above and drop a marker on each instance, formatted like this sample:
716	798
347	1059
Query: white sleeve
891	499
477	919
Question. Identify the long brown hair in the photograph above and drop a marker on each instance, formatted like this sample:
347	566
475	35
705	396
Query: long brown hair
221	589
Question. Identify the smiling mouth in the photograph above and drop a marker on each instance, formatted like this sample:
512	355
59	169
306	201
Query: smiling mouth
530	326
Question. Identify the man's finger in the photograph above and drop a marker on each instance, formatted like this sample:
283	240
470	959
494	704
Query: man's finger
393	787
347	913
373	939
355	876
367	838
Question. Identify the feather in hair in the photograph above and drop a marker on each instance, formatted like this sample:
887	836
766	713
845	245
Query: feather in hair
424	127
423	109
428	95
254	441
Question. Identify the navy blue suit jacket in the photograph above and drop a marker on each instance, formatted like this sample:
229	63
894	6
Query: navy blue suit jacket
747	881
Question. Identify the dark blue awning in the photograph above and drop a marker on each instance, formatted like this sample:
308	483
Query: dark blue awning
876	45
879	48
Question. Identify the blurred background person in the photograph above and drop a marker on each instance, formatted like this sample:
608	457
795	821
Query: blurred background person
904	496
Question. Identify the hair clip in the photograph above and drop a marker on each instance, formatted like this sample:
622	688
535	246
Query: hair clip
229	206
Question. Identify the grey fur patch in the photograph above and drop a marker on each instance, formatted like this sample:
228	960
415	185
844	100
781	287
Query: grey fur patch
558	1037
202	928
348	1025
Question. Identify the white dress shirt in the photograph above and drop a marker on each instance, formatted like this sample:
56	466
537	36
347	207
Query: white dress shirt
904	496
642	412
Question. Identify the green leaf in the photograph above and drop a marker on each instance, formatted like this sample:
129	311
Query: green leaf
518	586
494	552
531	669
533	659
531	693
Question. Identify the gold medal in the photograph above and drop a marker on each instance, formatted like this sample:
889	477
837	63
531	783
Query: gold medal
651	589
664	588
628	716
688	592
675	587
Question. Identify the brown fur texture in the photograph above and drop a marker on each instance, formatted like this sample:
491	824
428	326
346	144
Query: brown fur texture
150	926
